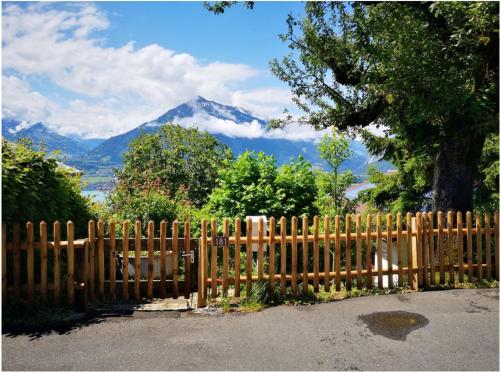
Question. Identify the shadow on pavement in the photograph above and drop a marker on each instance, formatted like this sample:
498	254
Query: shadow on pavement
61	326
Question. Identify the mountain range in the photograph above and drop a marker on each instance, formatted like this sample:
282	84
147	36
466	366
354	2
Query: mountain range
100	156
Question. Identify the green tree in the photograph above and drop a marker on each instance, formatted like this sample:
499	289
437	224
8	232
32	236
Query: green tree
426	71
252	184
36	188
173	158
486	196
332	186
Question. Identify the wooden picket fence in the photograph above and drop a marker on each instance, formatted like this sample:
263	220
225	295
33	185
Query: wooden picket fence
428	249
433	247
89	266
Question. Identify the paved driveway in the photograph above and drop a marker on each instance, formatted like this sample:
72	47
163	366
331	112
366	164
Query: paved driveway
445	330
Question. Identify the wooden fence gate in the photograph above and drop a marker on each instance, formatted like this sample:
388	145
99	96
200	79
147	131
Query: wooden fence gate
102	267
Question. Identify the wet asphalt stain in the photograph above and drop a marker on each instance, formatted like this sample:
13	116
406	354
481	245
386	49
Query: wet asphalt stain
475	308
403	298
395	325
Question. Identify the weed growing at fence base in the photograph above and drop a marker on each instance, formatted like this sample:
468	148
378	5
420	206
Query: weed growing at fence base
262	296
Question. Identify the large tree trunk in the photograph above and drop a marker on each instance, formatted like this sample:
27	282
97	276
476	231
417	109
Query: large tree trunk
455	168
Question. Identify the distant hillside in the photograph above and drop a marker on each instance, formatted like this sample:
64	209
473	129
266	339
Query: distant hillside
43	137
98	157
111	151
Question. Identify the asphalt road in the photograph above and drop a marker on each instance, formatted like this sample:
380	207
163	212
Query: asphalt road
445	330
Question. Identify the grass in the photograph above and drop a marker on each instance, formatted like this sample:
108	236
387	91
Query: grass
261	295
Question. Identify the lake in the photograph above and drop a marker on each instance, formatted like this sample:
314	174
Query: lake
96	195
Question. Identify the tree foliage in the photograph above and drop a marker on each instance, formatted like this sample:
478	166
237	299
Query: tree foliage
426	71
174	158
166	175
36	188
332	186
253	184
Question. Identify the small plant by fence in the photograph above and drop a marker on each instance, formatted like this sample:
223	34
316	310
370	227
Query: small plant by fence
419	251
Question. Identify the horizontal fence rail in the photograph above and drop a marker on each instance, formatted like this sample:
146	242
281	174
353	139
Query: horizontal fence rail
418	251
291	255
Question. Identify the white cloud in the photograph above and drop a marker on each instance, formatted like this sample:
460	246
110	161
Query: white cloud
21	102
265	102
119	87
252	129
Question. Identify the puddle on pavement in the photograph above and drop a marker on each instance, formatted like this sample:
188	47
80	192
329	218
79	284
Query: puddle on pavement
395	325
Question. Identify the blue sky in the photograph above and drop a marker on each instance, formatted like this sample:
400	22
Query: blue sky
99	69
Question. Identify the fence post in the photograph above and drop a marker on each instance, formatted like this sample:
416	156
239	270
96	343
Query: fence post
91	259
81	277
202	290
414	253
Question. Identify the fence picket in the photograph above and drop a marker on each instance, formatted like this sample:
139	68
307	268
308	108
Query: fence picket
380	278
187	259
151	231
348	266
430	241
92	257
16	238
213	258
294	255
420	249
441	247
225	258
260	250
248	284
70	231
389	248
272	247
460	248
305	255
283	255
30	261
399	243
125	243
337	253
316	253
479	247
409	248
175	260
163	259
359	268
449	246
487	242
326	252
425	246
369	279
100	257
137	261
237	257
57	262
112	262
202	266
468	221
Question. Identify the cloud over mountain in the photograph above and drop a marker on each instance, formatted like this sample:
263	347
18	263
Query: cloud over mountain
99	90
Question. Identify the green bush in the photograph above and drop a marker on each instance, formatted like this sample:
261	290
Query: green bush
36	188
